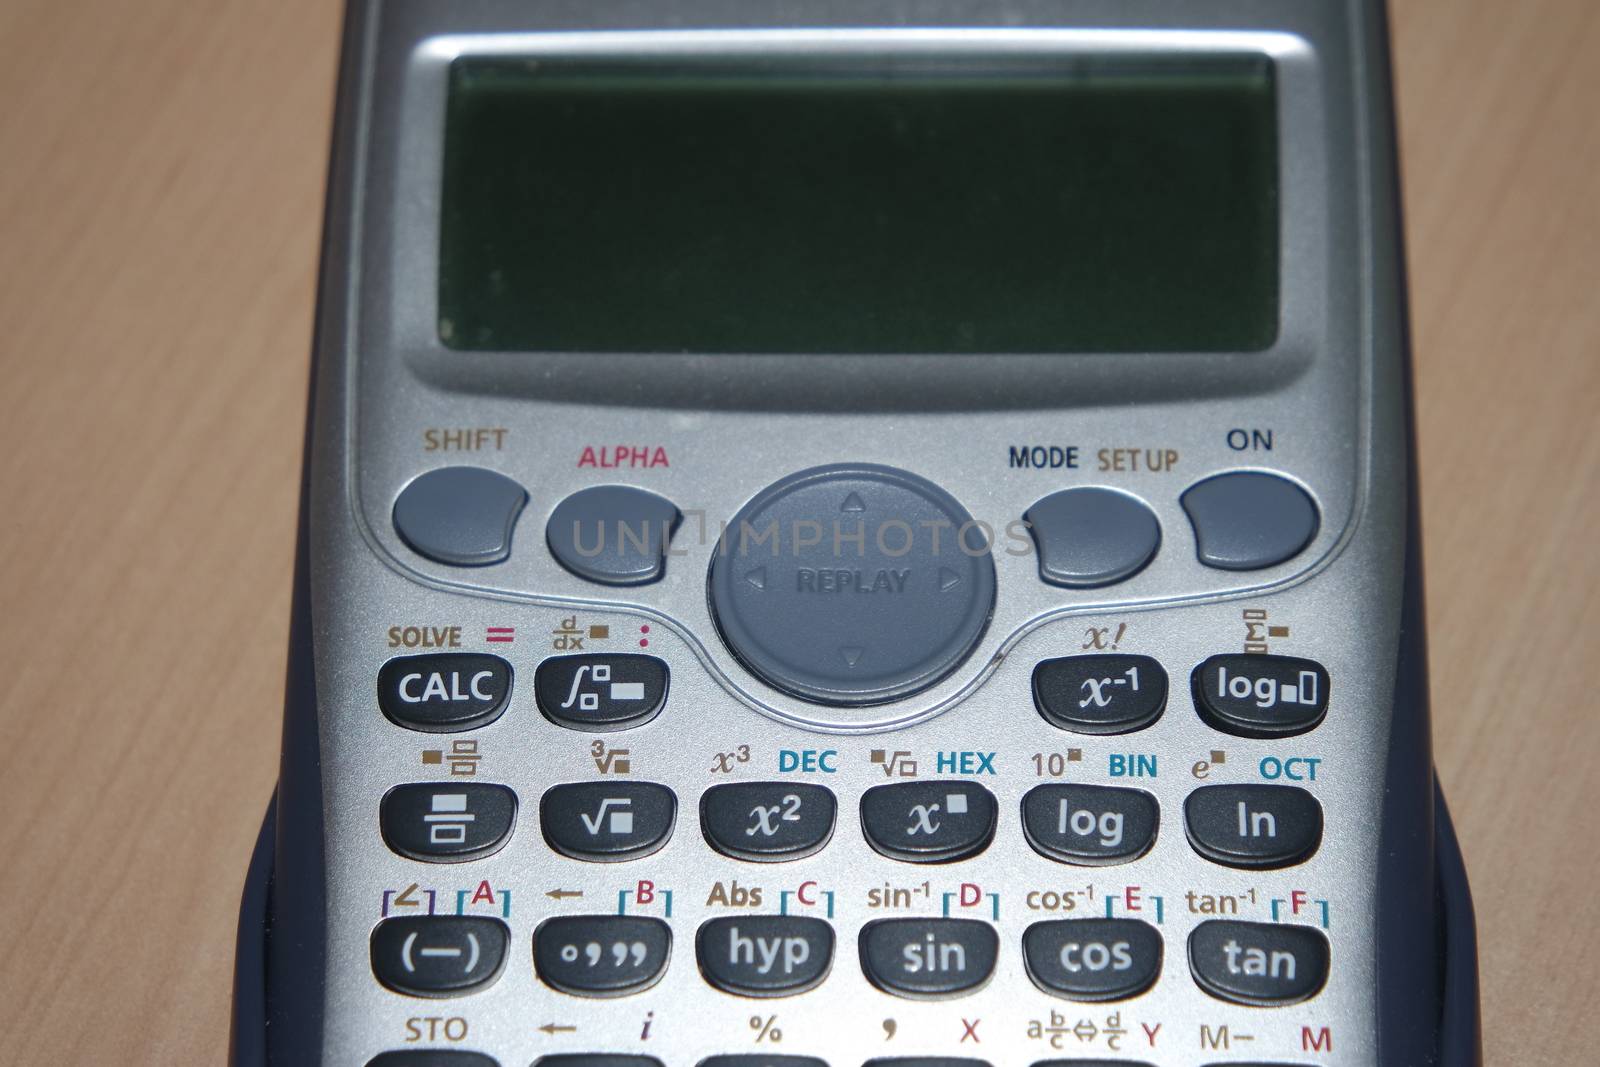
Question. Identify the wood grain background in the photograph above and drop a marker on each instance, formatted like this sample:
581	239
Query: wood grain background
161	169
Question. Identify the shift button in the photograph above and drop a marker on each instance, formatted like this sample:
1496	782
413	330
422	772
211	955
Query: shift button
462	516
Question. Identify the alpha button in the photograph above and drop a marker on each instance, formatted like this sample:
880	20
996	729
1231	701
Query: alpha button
924	958
444	691
852	585
613	534
765	955
439	955
1263	964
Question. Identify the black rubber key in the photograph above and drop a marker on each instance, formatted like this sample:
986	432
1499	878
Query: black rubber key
432	1058
1253	827
764	955
595	1059
1093	959
767	821
439	955
762	1061
929	822
1261	964
444	691
1253	695
1090	825
601	955
607	821
1109	694
925	958
446	822
602	691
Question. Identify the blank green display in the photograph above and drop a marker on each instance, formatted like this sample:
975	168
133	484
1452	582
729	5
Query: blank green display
1117	205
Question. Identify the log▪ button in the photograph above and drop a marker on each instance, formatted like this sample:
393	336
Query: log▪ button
1255	695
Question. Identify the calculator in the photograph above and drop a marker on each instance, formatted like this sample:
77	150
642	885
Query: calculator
859	533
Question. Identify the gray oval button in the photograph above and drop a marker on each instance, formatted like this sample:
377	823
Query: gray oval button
852	585
613	534
1247	520
460	515
1089	536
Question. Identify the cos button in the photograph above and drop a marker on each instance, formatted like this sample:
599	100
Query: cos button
444	692
1092	959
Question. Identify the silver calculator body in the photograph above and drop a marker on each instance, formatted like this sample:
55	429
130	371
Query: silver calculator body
1066	767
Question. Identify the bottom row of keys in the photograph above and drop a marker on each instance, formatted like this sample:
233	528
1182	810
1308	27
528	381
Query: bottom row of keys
773	956
426	1058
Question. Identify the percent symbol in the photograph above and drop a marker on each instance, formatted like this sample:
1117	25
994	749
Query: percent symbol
766	1029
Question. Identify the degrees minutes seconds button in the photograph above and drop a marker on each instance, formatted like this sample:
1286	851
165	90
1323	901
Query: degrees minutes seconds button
444	691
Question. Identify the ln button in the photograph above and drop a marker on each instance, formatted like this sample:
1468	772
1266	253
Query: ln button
1253	827
439	955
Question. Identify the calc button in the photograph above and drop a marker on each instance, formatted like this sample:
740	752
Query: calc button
926	958
601	691
929	822
1102	694
1092	959
601	955
1256	695
607	821
1090	825
1253	827
438	955
1261	964
432	1058
447	823
442	692
764	955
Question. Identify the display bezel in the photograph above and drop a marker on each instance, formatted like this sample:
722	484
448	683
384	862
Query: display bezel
402	219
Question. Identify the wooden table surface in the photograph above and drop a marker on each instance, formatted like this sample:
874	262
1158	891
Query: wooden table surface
161	170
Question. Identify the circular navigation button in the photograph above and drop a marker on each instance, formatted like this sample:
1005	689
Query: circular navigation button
853	584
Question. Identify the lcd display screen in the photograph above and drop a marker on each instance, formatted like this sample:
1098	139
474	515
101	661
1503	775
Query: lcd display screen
1080	204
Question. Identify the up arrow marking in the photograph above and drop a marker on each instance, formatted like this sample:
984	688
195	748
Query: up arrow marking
851	654
853	502
757	578
948	579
